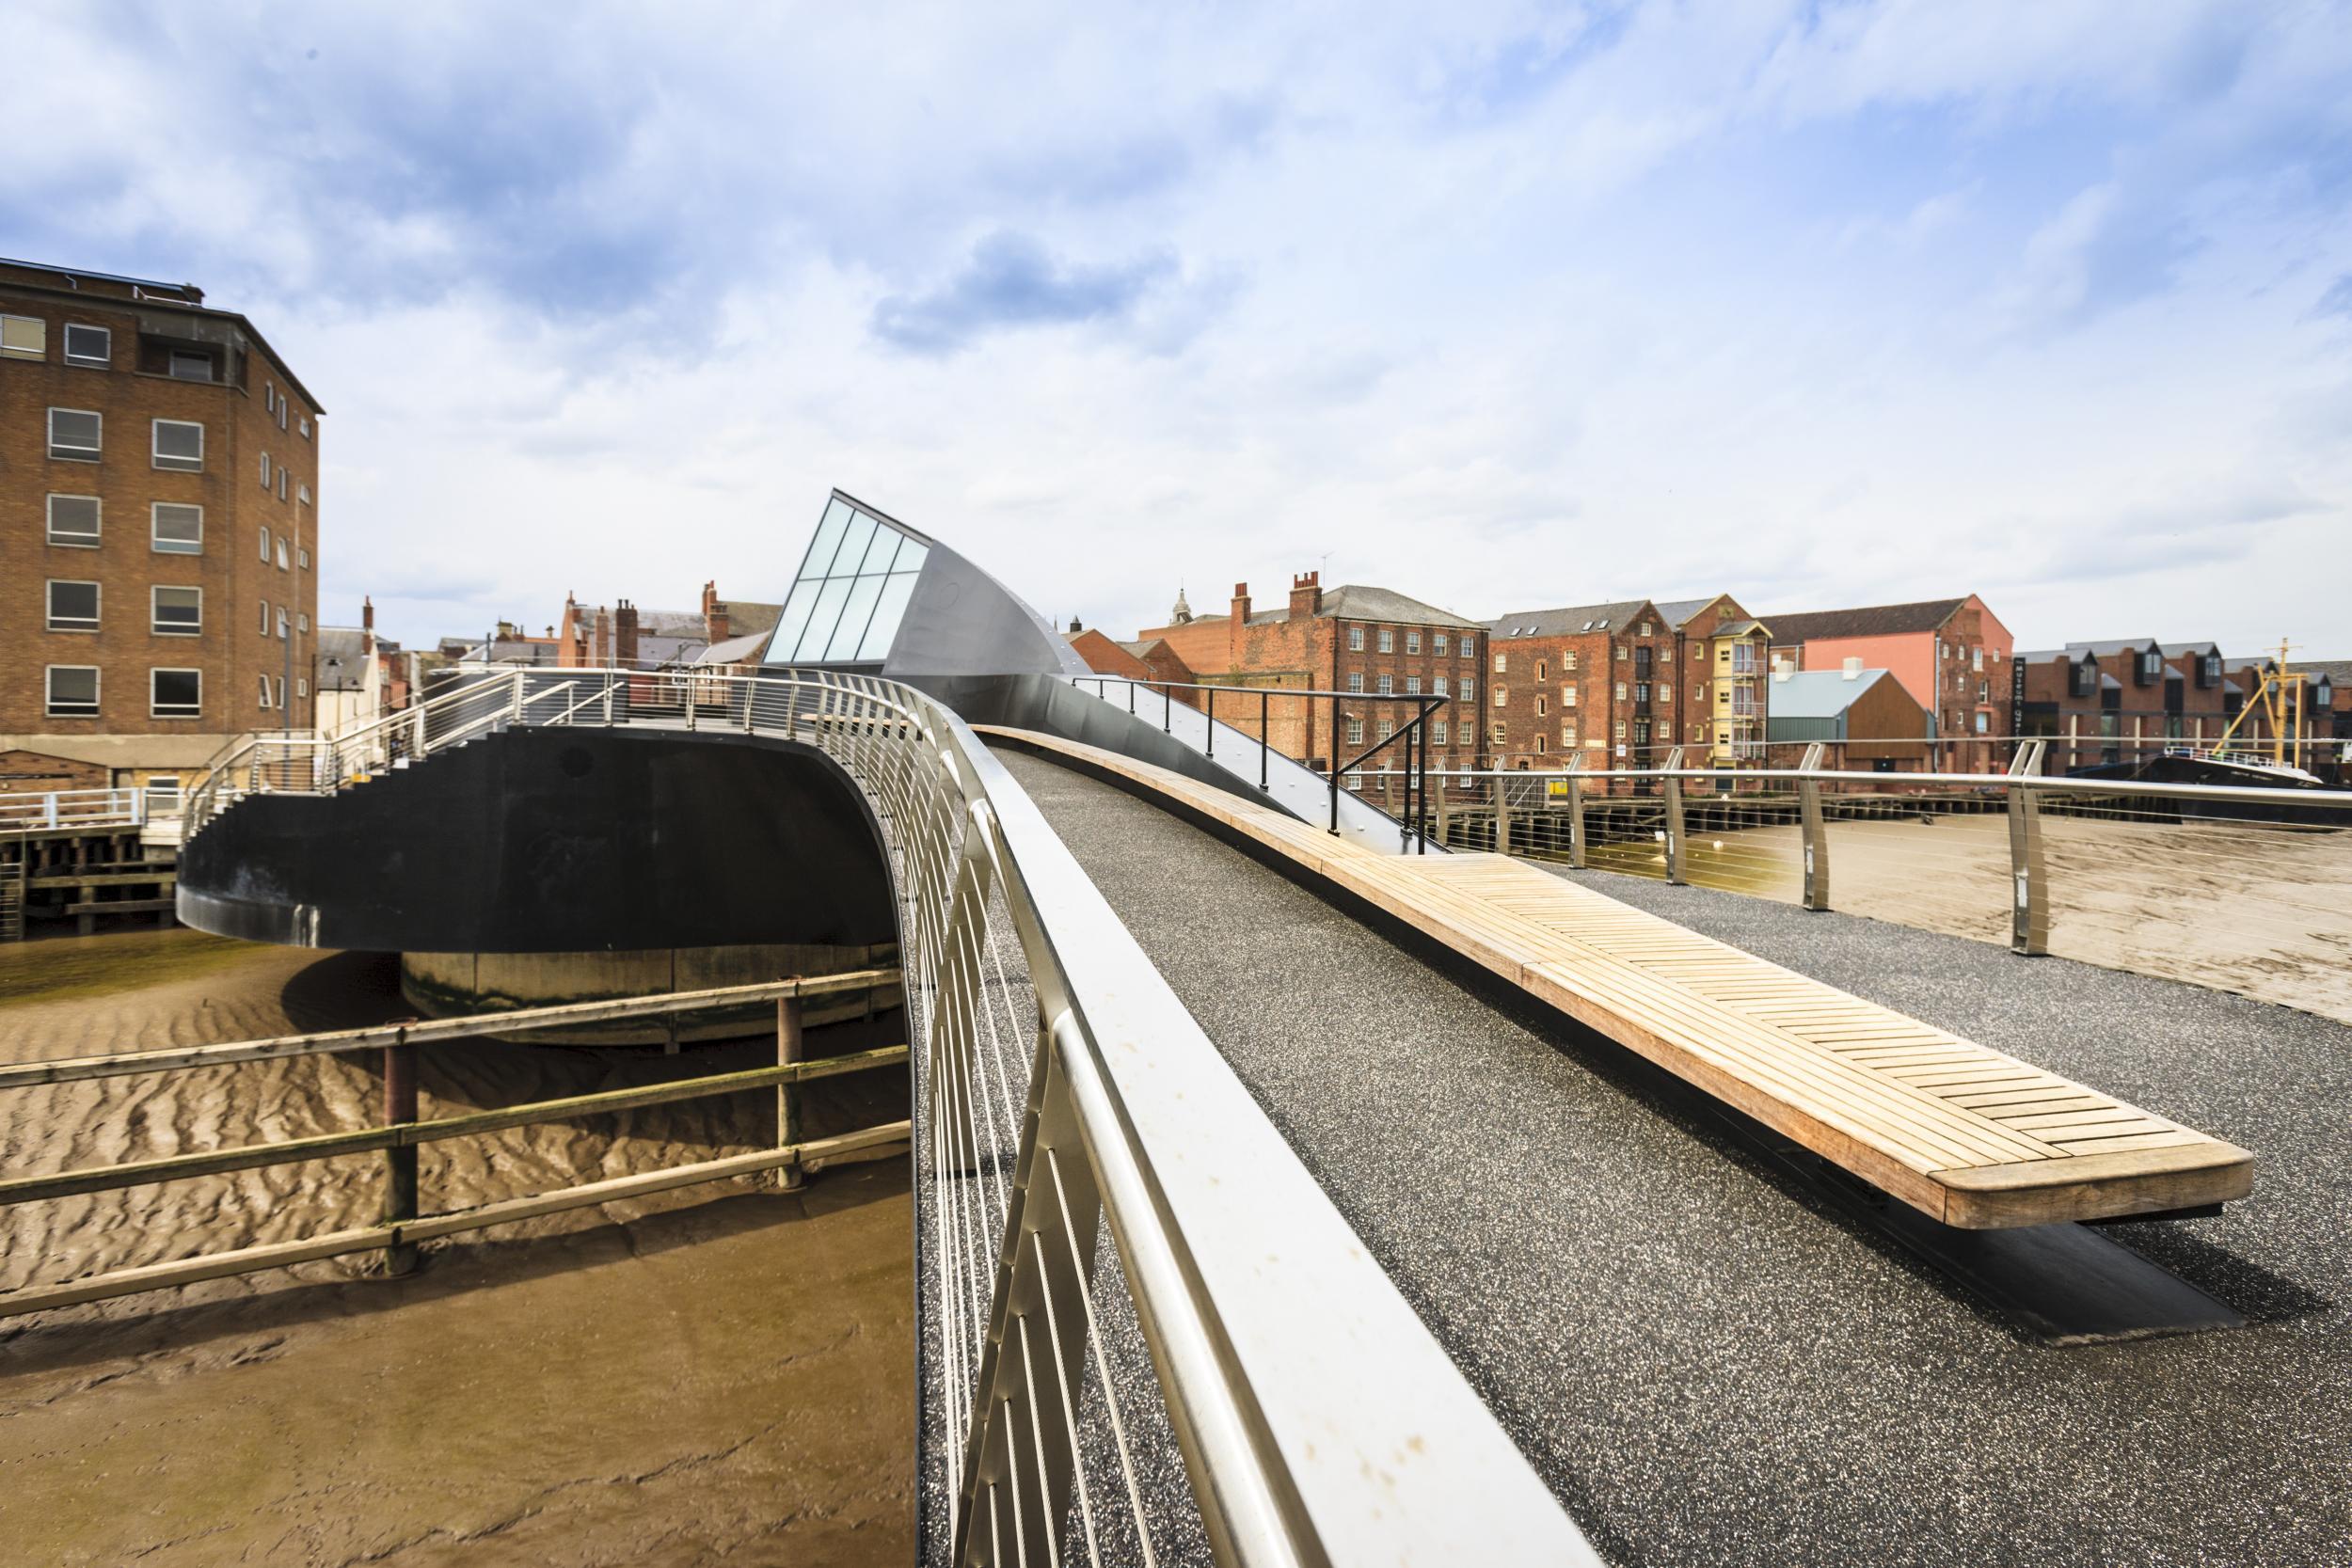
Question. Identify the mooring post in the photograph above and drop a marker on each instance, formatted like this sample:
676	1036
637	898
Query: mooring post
790	1049
2030	915
1815	846
1673	819
1576	824
400	1160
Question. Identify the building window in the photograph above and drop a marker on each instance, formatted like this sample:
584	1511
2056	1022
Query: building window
282	552
177	612
1543	707
74	520
75	434
178	530
1666	654
302	621
281	484
302	494
302	686
187	365
1567	660
1539	743
264	617
1412	685
1567	737
1386	730
1388	686
1665	691
93	346
1543	669
305	554
264	470
175	694
281	413
306	426
72	605
1356	639
1622	655
1440	687
1567	696
1438	731
281	690
24	336
1469	690
1502	664
264	544
1499	735
1412	642
281	623
264	691
1439	646
1984	725
1387	640
1503	695
1621	692
1355	682
269	397
72	691
1356	782
1977	654
1645	631
1469	647
1355	731
180	445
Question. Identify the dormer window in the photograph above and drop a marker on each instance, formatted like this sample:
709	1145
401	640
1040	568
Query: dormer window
2151	667
2086	677
2209	670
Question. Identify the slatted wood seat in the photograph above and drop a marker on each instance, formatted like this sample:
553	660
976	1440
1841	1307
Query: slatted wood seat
1962	1133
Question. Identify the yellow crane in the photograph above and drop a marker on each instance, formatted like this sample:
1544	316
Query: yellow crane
2279	699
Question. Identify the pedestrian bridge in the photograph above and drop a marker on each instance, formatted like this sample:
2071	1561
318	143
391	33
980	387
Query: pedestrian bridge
1270	1212
1290	1190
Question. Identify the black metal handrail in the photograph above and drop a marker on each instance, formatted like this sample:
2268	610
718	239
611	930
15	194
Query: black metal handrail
1414	734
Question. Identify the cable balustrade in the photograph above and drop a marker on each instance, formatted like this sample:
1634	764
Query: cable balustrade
1067	1107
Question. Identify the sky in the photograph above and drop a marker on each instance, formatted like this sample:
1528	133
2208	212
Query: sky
1501	305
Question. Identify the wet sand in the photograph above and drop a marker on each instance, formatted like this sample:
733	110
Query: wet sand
2249	909
725	1376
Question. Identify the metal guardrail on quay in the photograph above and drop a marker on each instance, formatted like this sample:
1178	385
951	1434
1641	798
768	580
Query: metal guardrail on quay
1061	1087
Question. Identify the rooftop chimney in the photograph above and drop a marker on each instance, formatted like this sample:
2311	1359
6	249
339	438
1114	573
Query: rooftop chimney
1306	595
1854	668
624	634
366	614
714	614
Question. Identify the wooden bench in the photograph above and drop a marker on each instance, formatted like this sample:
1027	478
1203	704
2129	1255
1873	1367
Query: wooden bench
1963	1134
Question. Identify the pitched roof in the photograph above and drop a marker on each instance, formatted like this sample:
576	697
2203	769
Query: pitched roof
1357	602
2177	650
735	650
1569	620
2113	647
1675	611
1818	693
2337	671
1885	620
750	615
339	659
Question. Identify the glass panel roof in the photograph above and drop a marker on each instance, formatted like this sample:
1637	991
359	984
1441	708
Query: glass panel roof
852	589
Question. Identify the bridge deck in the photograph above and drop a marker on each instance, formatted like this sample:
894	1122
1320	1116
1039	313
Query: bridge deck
1966	1134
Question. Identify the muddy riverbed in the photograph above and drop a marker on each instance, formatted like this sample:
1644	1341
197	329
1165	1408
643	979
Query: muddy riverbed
720	1373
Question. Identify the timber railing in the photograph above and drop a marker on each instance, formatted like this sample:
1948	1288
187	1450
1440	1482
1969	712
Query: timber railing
2229	870
1067	1103
401	1134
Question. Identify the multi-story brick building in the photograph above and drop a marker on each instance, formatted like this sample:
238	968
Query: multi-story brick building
1951	654
1374	645
1721	650
2120	700
1593	686
159	528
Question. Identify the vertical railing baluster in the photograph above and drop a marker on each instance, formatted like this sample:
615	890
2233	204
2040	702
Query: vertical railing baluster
2030	912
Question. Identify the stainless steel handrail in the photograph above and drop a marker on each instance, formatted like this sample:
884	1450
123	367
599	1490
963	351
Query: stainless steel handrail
1318	1419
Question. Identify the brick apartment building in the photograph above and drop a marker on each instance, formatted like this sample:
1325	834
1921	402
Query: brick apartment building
1372	643
2121	701
159	527
1594	686
1952	655
1722	654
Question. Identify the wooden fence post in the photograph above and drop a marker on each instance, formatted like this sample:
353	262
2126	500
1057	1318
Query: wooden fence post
791	1047
400	1160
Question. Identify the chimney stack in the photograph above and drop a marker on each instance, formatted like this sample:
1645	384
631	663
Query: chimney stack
1306	595
624	634
714	614
366	614
1854	668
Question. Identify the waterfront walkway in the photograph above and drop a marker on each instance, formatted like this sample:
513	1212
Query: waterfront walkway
1703	1361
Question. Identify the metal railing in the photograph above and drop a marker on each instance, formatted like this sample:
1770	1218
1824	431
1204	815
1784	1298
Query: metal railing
1412	739
2246	888
1066	1103
122	807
